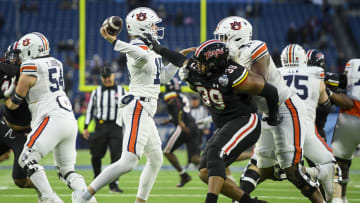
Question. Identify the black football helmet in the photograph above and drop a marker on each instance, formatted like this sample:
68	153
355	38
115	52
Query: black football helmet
173	85
213	54
316	58
12	54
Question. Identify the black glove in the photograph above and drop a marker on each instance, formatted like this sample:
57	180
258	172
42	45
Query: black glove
273	119
151	42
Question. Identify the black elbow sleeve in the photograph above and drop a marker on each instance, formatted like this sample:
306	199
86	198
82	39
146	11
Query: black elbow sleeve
174	57
272	98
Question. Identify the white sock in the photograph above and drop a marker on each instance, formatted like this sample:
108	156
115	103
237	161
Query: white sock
41	182
125	164
148	176
87	195
182	171
76	181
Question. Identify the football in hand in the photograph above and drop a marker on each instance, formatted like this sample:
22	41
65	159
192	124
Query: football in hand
113	25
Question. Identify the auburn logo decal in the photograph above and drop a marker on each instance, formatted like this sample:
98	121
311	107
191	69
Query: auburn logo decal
141	16
26	42
215	53
235	25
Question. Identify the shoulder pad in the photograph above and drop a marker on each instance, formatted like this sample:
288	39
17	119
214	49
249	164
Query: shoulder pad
235	75
258	50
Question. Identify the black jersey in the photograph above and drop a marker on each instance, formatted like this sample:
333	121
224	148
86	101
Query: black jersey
217	93
20	116
178	106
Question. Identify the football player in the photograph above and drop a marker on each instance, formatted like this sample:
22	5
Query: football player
138	106
282	144
13	138
224	87
41	85
346	133
186	131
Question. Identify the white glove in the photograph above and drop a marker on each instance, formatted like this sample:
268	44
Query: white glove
184	73
10	90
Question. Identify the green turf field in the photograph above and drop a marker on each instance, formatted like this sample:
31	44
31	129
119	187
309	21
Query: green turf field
164	190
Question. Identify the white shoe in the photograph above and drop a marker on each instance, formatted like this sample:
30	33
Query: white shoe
326	177
93	200
76	197
344	200
50	199
337	200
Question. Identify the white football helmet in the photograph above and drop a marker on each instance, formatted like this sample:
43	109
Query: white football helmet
143	20
33	45
293	55
234	30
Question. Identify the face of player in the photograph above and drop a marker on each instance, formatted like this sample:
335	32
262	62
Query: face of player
108	81
201	68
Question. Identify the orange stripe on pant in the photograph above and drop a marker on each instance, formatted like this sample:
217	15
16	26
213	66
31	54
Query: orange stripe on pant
134	128
297	133
322	140
37	133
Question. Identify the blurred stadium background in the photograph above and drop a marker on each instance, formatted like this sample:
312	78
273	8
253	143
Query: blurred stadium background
331	26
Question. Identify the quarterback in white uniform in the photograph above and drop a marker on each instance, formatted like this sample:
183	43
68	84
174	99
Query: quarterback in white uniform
138	106
346	133
41	84
283	143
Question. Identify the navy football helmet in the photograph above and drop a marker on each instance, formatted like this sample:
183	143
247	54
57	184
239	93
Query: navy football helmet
316	58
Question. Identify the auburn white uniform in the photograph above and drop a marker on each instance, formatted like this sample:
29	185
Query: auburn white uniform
306	82
54	127
346	133
284	142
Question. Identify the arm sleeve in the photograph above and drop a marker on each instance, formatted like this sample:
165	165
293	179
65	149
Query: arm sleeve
90	109
260	50
29	69
168	73
9	69
134	51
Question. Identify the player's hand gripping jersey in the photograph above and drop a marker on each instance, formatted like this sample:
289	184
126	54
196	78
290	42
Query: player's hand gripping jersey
251	53
217	93
47	96
306	82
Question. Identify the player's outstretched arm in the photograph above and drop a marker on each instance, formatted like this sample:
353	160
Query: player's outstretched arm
341	100
256	85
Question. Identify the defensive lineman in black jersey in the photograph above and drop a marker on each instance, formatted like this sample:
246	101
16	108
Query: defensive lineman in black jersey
13	124
224	87
186	130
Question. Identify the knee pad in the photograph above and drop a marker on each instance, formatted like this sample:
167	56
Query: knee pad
215	164
72	179
155	158
128	161
303	181
28	160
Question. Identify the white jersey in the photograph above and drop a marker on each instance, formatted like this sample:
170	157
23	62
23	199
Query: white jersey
353	79
47	96
145	67
306	83
254	51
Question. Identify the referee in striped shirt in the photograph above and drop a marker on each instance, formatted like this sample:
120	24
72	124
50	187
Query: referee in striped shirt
103	107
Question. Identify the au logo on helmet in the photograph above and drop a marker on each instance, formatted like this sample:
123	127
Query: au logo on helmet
215	53
141	16
26	42
235	25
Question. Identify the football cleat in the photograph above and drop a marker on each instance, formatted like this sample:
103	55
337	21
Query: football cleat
184	178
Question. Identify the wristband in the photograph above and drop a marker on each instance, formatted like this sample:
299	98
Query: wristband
17	99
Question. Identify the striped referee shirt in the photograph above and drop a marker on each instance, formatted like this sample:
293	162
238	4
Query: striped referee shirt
103	104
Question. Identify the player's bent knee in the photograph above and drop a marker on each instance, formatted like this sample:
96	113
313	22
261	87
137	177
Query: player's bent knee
216	165
28	160
203	175
298	176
